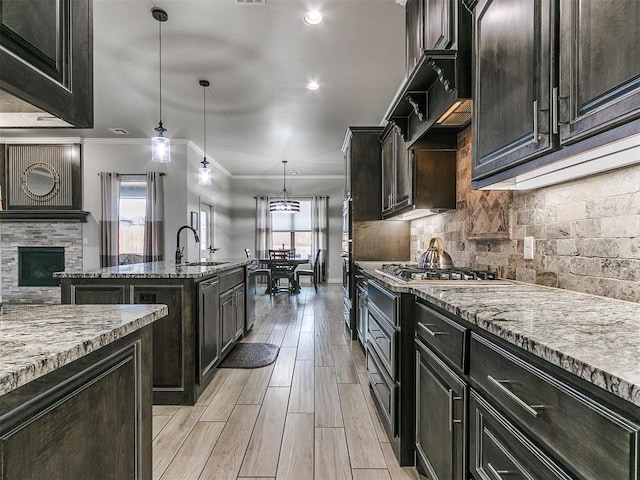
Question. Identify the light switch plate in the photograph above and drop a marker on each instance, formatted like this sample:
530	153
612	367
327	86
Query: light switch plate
528	248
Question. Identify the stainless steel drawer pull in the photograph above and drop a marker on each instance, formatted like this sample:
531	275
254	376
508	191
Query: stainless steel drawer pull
429	331
451	419
498	473
531	409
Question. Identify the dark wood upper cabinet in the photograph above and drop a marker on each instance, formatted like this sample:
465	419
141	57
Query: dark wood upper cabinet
46	56
396	172
599	66
553	79
439	30
361	149
414	32
514	55
430	25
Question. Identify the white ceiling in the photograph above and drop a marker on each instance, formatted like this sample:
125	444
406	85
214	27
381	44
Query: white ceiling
258	59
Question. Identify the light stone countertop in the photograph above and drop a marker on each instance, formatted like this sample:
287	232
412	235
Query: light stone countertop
164	269
38	339
592	337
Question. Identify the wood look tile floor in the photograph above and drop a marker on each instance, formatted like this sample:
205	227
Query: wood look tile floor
307	416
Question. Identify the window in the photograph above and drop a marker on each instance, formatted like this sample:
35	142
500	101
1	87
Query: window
293	230
132	204
206	229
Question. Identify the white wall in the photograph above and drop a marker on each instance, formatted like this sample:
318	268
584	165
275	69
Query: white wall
243	191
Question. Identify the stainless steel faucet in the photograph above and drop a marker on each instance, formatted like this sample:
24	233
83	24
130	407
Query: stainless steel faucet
179	251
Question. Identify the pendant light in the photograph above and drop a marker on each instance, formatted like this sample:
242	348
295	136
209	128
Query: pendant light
160	145
283	203
204	173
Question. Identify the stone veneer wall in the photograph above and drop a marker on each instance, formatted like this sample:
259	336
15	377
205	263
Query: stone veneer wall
587	232
37	234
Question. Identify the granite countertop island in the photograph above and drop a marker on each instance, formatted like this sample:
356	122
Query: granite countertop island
165	269
592	337
38	339
75	390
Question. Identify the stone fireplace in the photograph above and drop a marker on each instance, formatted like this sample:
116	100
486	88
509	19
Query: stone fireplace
47	246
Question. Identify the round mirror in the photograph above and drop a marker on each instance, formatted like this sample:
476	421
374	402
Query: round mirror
40	181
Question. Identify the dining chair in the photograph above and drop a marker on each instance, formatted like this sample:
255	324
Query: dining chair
281	269
309	270
260	272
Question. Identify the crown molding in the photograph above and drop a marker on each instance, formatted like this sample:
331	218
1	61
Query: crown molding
290	177
40	140
129	141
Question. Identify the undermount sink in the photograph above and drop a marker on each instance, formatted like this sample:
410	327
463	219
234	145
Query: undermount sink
202	264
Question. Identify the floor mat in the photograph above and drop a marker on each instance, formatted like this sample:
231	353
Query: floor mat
251	355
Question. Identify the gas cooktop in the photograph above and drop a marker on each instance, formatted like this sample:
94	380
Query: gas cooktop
412	273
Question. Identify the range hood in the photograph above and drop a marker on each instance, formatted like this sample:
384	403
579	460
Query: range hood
437	94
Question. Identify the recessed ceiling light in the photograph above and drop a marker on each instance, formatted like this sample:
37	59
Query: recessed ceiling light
313	17
313	85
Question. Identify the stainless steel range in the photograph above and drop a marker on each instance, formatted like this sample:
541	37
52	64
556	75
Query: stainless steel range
411	273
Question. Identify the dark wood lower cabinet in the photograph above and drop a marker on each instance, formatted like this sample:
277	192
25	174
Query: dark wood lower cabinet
525	417
440	418
168	332
202	325
89	419
500	451
208	325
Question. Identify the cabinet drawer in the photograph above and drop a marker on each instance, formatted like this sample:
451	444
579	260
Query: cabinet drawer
500	451
383	387
381	337
386	302
590	439
231	279
442	334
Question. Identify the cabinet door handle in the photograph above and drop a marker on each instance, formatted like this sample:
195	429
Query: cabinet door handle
536	135
554	110
452	421
531	409
429	331
497	473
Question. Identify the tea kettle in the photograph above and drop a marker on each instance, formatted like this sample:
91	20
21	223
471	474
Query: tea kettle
435	256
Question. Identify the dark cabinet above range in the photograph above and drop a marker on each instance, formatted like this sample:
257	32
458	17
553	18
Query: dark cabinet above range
46	63
419	181
556	84
437	90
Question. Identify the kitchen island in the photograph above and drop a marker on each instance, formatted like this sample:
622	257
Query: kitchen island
75	391
518	377
207	315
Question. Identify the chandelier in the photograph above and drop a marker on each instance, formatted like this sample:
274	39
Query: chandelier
283	203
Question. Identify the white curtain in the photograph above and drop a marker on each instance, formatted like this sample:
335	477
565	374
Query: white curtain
110	218
320	233
263	227
154	218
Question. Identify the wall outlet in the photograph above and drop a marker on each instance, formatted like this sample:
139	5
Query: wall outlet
528	248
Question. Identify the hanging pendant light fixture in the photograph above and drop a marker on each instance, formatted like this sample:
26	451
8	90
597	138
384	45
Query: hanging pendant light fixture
283	203
204	173
160	145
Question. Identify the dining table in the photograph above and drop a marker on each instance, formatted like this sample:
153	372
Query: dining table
295	262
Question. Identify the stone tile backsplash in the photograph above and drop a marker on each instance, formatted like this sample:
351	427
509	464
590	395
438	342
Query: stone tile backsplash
587	232
37	234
